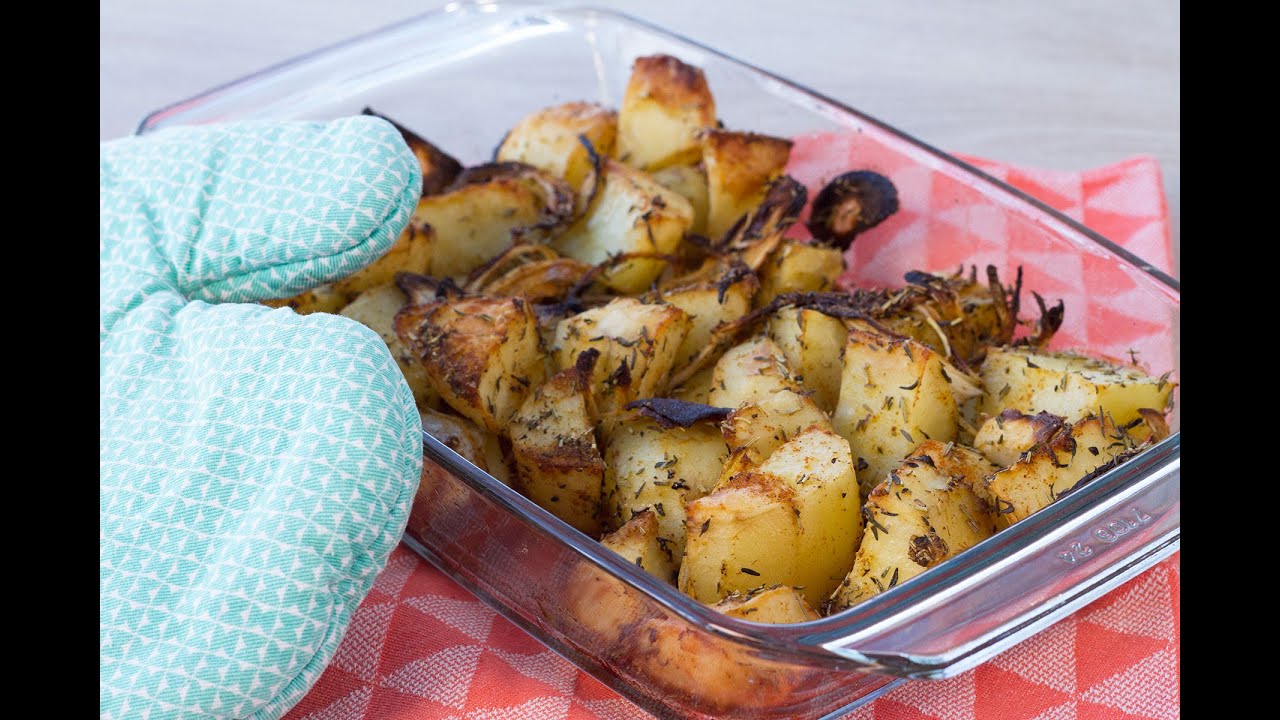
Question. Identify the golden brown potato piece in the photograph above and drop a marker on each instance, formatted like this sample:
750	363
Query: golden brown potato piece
648	466
776	605
795	266
549	139
438	167
481	355
1069	385
640	543
637	343
477	221
691	182
818	467
1075	454
894	394
813	344
740	166
743	535
794	521
558	465
755	430
1004	438
631	213
665	104
925	512
376	308
750	372
708	306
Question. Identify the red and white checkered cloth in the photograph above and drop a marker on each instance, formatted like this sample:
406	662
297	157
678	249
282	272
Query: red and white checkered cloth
419	646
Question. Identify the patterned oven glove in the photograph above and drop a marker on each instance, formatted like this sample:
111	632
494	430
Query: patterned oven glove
256	465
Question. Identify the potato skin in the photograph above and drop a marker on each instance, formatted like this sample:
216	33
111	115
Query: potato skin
481	355
665	104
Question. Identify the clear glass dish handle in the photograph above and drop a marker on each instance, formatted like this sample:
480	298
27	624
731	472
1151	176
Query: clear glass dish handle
958	625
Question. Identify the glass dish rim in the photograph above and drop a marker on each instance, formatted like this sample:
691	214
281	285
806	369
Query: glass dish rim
803	639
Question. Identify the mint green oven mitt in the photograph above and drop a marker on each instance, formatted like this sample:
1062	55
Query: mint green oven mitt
256	465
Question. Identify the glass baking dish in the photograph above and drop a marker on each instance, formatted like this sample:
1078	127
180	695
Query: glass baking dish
462	77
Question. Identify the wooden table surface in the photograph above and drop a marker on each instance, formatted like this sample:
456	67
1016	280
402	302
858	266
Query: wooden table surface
1066	85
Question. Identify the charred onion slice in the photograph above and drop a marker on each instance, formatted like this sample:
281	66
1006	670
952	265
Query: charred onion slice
851	203
438	167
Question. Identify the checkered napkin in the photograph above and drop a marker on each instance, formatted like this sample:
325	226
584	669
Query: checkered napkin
422	647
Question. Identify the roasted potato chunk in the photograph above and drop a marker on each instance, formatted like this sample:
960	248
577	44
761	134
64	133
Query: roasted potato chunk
740	166
481	355
631	213
558	465
475	222
750	372
813	345
794	521
924	512
665	104
638	542
795	266
774	605
708	306
755	430
648	467
1078	452
549	139
744	534
691	182
637	344
376	309
818	466
1069	385
894	394
1004	438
